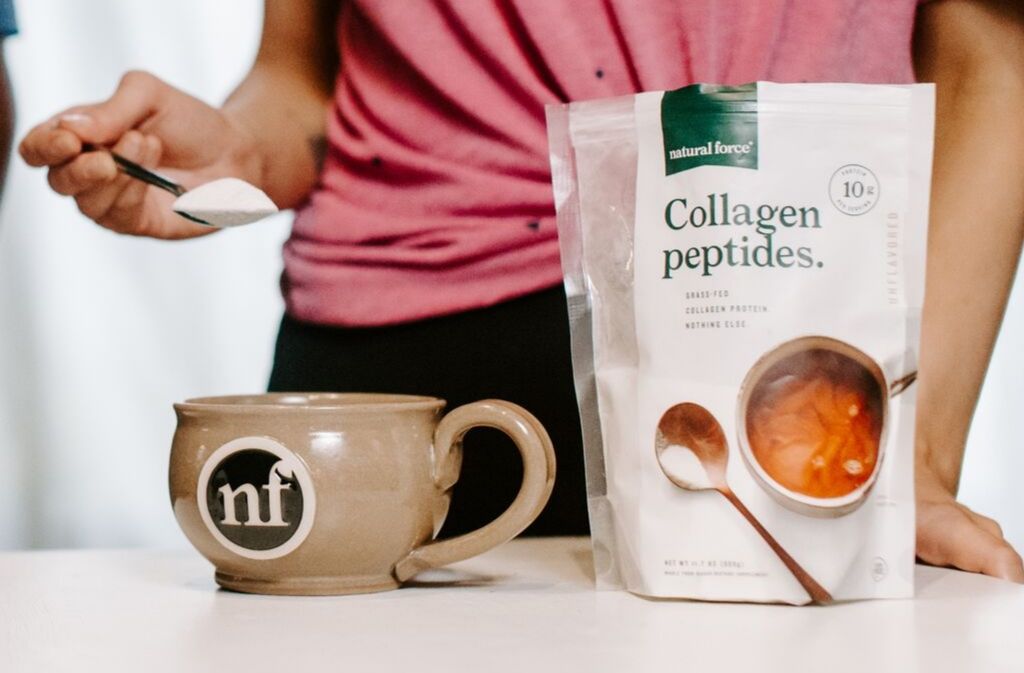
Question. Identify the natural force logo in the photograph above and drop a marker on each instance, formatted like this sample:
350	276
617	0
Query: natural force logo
709	125
709	149
256	498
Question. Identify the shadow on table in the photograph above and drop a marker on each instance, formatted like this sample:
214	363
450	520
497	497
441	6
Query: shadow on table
444	578
441	578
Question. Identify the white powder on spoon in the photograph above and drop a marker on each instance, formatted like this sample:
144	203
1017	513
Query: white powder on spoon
684	468
228	202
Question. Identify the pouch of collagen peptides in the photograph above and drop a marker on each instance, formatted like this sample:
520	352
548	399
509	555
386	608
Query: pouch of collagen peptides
745	272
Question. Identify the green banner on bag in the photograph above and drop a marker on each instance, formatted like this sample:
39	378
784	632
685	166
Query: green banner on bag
709	125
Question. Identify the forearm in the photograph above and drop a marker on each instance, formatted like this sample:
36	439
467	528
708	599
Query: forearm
282	103
286	124
973	53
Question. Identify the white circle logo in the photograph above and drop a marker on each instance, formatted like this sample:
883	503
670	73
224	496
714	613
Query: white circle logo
854	189
879	569
256	498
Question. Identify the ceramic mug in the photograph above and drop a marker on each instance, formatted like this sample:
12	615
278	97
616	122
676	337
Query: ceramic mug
337	493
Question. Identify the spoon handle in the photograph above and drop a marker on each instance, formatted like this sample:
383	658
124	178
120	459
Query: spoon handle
817	592
901	384
132	169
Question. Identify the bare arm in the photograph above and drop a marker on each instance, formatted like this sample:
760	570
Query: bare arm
262	134
974	51
282	101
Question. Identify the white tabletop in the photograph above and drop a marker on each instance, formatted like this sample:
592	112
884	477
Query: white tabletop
528	606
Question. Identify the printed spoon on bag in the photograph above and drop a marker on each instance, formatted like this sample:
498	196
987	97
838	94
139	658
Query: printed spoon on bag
693	453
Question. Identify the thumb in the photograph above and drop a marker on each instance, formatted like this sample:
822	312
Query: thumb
137	98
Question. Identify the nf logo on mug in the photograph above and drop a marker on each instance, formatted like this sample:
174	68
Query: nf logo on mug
256	498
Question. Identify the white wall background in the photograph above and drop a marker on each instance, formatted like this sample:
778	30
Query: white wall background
99	334
995	449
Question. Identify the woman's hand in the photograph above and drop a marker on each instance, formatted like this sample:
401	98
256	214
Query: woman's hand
949	534
150	123
269	131
972	50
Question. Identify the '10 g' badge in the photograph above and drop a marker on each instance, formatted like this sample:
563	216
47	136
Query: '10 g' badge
256	498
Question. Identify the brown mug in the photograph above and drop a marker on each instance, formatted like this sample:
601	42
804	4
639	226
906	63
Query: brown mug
337	493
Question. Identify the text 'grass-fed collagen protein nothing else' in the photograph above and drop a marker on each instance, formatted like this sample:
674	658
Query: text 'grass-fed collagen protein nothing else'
745	271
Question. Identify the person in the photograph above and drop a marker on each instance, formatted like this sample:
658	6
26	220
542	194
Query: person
423	257
8	27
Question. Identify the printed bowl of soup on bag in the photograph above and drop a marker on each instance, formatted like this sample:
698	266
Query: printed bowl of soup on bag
811	419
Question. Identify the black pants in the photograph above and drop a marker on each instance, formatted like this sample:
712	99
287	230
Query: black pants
516	351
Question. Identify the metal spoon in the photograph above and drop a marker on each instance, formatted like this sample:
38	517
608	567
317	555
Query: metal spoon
132	169
692	426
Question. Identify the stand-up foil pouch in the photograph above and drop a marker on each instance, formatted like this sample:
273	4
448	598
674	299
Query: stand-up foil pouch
745	272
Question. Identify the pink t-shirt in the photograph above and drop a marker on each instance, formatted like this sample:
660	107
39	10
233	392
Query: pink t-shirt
435	196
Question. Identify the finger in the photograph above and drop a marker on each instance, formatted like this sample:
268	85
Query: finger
137	98
988	555
88	171
95	203
948	536
49	145
127	206
1005	563
991	526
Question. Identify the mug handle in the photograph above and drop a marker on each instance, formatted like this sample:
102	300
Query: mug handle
538	478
